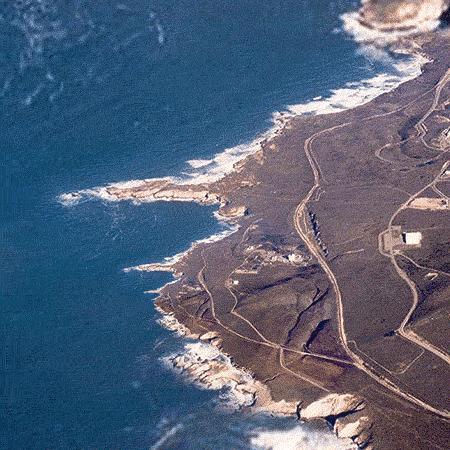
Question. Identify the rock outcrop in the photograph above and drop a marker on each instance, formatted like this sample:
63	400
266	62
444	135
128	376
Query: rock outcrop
392	15
152	267
233	212
163	189
332	405
351	429
345	412
359	430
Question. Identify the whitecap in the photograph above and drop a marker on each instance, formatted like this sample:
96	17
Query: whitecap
55	94
6	86
351	95
161	35
155	24
166	436
30	97
298	438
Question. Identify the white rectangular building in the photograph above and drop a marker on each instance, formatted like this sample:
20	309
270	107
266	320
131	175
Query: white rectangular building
412	237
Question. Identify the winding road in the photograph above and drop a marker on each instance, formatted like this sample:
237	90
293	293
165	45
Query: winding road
300	224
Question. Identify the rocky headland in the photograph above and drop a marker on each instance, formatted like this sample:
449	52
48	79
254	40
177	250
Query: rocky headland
316	305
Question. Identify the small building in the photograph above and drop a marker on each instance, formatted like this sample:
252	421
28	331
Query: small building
295	258
412	237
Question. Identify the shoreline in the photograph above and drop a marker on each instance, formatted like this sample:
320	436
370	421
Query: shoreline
357	429
204	364
189	192
192	186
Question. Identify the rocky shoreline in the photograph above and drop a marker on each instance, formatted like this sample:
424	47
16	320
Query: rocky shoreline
224	294
203	362
347	412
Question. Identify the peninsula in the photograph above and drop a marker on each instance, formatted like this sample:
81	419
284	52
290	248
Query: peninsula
334	289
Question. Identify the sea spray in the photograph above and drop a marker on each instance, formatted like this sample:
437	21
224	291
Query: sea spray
207	171
205	365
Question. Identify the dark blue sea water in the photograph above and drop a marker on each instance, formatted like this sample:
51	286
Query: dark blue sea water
95	91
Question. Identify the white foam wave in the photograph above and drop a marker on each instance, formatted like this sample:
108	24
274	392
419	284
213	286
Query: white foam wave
166	436
363	34
224	162
350	96
355	94
209	368
197	163
169	322
298	438
169	261
101	192
70	199
216	237
207	171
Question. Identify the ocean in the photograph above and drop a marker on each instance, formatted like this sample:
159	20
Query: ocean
101	91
